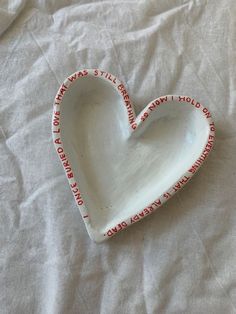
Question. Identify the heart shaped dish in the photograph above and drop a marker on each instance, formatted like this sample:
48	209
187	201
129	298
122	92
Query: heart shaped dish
120	167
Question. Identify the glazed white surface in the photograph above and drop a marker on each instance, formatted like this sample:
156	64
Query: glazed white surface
121	171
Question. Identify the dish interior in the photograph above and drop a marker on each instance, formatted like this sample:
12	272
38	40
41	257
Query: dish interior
120	173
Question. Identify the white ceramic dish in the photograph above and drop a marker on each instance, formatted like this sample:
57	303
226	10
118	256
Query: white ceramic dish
121	167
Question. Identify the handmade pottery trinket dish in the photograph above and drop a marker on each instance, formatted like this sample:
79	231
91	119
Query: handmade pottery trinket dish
122	167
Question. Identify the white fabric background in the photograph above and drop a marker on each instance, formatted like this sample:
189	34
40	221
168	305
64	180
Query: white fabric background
182	259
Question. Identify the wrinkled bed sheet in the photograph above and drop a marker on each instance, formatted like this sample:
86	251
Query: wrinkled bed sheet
182	259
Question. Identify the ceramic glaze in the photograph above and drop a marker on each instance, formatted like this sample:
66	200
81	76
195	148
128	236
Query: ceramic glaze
121	167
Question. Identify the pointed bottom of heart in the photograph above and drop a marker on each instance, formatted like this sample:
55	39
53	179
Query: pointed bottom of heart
122	167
